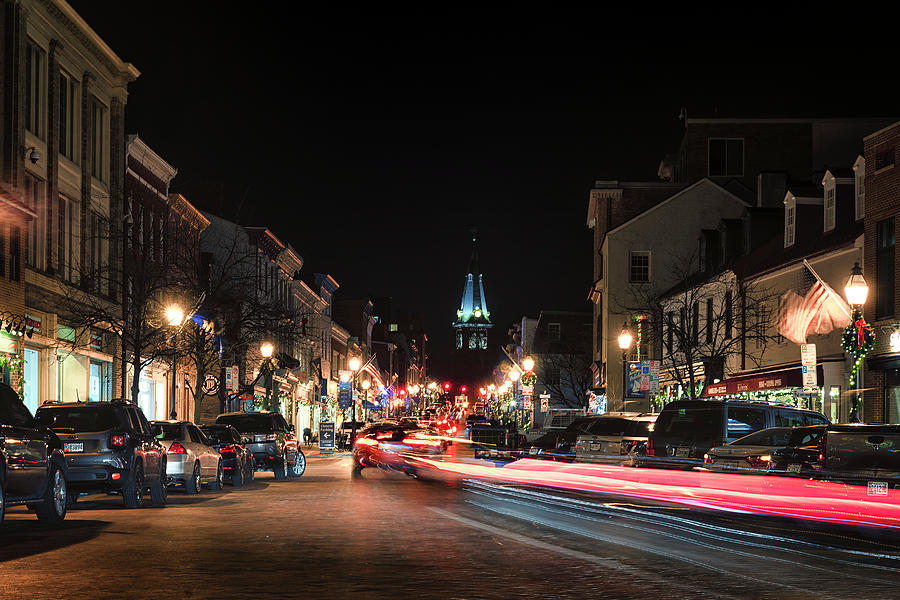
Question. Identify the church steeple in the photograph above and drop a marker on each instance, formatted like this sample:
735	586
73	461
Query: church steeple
473	317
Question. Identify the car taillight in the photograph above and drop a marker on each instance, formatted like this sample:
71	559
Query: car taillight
117	440
719	443
384	435
651	451
176	448
271	437
226	449
421	442
821	445
764	460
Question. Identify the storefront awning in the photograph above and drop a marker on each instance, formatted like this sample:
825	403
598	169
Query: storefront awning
761	382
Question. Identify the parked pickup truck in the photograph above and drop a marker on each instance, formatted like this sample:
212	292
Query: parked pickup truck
858	454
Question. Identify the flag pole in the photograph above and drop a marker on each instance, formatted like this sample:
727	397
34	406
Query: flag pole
828	288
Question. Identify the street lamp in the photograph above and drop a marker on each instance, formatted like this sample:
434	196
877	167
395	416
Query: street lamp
267	350
856	290
175	317
625	340
528	363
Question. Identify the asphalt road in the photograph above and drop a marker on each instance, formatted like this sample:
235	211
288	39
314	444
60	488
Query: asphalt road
386	535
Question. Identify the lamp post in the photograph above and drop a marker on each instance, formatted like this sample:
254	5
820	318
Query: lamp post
528	366
175	317
366	384
514	377
856	290
414	393
267	349
354	366
624	344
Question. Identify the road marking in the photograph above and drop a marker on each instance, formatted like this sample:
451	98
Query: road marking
608	563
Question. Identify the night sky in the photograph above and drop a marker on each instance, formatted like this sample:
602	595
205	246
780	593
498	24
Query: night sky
373	142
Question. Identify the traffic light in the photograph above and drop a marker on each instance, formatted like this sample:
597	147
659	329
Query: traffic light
447	386
402	392
463	389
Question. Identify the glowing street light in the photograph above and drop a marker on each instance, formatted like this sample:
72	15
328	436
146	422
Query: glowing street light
174	315
856	290
514	375
354	364
175	318
267	349
528	363
625	340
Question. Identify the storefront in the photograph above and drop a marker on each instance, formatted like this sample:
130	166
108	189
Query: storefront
783	386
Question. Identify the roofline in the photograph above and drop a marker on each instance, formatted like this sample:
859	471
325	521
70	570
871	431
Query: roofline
882	130
97	40
669	199
810	120
797	263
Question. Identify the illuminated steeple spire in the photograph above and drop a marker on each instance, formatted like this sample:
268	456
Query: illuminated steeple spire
473	318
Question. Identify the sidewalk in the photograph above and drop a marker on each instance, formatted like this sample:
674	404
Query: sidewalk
313	451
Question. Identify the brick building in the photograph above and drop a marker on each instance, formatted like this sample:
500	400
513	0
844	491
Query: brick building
62	156
877	183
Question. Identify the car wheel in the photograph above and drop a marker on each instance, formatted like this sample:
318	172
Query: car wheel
237	477
192	485
280	468
53	508
159	493
357	467
299	466
133	491
220	475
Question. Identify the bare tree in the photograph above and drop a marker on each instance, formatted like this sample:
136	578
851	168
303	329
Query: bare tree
567	376
708	324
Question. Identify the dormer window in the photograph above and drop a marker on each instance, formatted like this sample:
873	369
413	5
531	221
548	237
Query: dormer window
790	221
829	205
859	188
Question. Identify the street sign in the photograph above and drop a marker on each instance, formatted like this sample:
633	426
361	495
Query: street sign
229	380
654	376
808	363
236	377
326	436
528	401
210	385
545	402
344	397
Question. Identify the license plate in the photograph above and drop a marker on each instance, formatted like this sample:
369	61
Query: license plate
730	463
877	488
73	447
682	451
793	468
595	446
533	450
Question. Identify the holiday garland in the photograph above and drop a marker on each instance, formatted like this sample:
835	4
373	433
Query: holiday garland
17	370
858	340
529	378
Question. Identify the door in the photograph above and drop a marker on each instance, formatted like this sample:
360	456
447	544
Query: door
24	446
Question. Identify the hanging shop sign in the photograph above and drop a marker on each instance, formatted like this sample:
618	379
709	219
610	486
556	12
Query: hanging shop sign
8	344
210	385
34	323
633	377
344	397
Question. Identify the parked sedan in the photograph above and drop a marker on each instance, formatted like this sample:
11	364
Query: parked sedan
559	444
237	459
751	453
192	461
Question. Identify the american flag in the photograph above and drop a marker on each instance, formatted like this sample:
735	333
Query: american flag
372	370
820	310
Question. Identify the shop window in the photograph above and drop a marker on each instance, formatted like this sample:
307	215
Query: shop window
32	379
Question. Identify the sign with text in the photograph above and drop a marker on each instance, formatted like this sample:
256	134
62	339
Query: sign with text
633	380
808	362
326	436
527	399
211	385
545	402
344	397
229	380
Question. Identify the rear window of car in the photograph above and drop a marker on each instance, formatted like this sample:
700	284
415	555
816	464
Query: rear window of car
247	423
581	425
806	437
166	431
690	423
77	420
607	426
638	428
219	435
766	437
744	420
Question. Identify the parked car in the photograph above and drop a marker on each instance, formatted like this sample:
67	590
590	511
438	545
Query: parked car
556	420
390	445
559	444
32	465
857	454
191	459
237	460
686	429
802	454
616	438
109	448
493	439
268	438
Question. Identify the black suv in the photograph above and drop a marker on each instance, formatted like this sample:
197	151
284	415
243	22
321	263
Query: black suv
110	448
268	436
686	429
32	465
